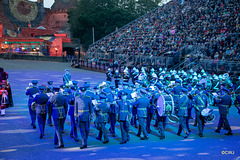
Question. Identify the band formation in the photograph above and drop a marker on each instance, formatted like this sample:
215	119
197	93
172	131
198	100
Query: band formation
158	96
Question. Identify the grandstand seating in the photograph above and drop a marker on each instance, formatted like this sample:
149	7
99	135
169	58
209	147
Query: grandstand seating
212	24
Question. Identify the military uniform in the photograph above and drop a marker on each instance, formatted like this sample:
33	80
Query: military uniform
49	91
109	75
83	110
66	77
117	77
161	118
71	102
101	118
126	77
112	112
177	91
183	105
41	109
31	92
142	104
124	112
134	77
58	102
224	103
200	102
150	112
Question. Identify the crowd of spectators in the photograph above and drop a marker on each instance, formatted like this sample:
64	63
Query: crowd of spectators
212	24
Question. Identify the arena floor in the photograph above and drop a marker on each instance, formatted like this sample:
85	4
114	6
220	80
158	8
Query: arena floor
20	141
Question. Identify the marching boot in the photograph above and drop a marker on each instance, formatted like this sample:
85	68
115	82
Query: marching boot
76	139
186	135
122	142
41	135
144	138
82	147
229	133
217	131
128	138
61	146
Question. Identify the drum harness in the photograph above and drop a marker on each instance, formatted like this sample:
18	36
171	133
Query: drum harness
200	99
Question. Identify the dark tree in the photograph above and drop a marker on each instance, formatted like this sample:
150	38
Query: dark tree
105	16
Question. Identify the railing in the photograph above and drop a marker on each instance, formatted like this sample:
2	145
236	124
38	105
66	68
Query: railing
103	65
220	66
32	57
97	65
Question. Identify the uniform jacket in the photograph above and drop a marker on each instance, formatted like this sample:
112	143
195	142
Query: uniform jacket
83	108
124	109
30	92
200	101
41	100
58	102
66	78
183	106
71	102
224	103
102	113
142	104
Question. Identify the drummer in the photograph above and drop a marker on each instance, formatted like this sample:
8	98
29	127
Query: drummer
177	90
200	102
160	117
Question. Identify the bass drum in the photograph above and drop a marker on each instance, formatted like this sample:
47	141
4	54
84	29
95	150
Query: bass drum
208	115
165	107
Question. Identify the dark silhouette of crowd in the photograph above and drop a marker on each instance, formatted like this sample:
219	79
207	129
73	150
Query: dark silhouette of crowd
212	24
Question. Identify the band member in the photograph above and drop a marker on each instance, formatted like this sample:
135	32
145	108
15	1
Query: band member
182	113
150	111
113	110
161	117
126	75
41	109
83	110
66	77
124	116
32	111
177	91
200	102
71	102
102	110
142	104
109	75
117	77
224	102
59	105
49	91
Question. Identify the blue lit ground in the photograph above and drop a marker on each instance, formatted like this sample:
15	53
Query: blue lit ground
19	141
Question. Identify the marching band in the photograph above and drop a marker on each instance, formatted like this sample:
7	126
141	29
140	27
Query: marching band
161	95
